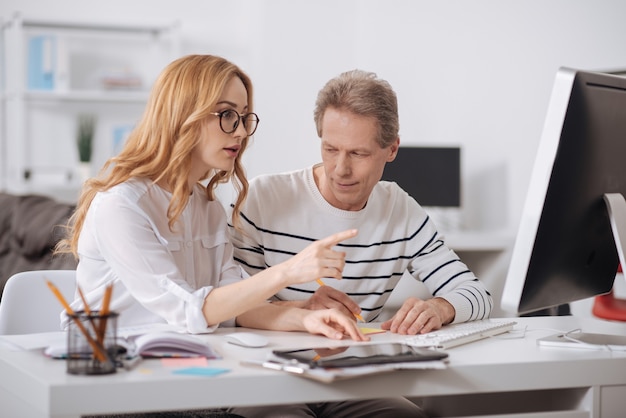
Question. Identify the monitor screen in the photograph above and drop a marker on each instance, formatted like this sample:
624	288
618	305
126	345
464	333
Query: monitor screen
431	175
565	249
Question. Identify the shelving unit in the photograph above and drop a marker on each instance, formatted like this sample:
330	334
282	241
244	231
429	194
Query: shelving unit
54	71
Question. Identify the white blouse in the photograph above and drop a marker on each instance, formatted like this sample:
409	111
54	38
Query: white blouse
158	275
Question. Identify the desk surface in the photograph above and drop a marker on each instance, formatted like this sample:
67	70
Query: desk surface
33	385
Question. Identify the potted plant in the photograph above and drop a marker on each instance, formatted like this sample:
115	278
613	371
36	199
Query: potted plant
84	141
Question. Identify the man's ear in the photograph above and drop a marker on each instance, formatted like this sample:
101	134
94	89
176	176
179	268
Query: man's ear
393	150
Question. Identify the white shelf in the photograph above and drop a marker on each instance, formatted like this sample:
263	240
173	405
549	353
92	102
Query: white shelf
32	22
487	240
101	96
39	126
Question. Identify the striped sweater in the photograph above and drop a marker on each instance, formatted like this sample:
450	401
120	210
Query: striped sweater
286	212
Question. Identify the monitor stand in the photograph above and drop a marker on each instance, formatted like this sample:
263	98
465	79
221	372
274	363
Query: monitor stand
616	207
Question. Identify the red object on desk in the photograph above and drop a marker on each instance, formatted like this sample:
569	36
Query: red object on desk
607	306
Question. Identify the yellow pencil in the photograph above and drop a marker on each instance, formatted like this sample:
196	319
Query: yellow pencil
88	311
104	311
106	300
82	296
358	316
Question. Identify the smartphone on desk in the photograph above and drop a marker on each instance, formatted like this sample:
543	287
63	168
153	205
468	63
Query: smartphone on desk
359	355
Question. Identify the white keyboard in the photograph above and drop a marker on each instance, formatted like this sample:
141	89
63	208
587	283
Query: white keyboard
463	333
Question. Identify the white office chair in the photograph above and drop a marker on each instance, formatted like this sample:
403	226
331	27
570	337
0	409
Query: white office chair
29	306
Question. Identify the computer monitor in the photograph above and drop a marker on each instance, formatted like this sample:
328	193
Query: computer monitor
568	244
431	175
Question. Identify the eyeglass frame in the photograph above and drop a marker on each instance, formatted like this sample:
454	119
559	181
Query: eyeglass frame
240	120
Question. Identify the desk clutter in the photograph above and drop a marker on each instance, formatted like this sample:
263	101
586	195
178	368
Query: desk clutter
330	363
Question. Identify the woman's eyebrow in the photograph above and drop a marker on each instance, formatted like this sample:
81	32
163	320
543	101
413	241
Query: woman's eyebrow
231	104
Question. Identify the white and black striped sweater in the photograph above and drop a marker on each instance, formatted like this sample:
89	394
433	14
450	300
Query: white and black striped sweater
286	212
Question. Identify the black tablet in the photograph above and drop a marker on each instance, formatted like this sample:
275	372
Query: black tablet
360	355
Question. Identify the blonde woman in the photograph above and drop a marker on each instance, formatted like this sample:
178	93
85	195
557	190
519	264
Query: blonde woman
149	226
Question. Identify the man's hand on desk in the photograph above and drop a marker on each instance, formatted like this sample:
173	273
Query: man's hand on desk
417	316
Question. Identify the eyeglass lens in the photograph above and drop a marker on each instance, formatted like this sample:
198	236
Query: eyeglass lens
229	121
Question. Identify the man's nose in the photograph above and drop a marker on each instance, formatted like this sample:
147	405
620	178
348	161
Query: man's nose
342	167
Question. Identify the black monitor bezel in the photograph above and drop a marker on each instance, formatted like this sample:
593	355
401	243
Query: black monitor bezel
565	249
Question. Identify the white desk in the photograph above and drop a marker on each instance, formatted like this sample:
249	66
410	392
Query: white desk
498	375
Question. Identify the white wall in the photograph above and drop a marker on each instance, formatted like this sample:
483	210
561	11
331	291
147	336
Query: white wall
474	73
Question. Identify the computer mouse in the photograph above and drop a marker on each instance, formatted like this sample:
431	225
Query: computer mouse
246	339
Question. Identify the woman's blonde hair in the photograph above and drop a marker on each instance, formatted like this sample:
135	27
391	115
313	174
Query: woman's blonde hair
160	147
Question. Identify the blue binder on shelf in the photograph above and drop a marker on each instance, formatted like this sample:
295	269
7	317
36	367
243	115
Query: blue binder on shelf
41	62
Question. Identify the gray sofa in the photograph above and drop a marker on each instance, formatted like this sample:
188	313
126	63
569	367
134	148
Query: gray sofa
30	226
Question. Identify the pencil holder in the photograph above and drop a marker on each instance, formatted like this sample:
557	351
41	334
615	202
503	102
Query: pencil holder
91	343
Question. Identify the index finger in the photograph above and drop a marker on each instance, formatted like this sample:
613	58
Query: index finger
353	331
334	239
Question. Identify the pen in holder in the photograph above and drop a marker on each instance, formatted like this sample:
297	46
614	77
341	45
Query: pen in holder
91	342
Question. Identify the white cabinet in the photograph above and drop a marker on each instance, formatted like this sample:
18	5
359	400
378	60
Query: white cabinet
54	72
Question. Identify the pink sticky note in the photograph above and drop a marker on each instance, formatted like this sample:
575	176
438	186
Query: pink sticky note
184	361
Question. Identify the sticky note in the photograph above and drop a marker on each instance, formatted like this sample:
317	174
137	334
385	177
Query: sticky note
366	330
184	362
201	371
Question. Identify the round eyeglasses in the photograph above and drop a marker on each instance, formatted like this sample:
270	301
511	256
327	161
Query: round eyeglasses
229	121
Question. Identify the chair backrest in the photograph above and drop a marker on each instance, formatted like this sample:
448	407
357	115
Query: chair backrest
27	304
